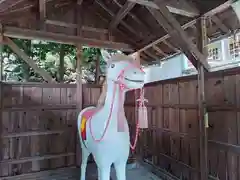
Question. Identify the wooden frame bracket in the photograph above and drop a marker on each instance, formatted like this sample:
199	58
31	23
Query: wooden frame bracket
172	26
210	13
28	60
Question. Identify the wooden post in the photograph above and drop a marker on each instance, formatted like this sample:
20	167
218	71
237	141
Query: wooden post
203	116
97	73
79	99
1	51
78	19
61	63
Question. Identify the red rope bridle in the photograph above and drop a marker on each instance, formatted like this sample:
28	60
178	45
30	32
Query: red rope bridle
122	87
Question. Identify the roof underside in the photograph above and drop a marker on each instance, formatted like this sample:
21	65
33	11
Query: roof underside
108	21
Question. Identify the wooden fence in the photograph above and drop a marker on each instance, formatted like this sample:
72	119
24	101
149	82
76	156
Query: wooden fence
38	127
172	140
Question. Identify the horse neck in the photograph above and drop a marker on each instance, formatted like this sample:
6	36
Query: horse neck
110	100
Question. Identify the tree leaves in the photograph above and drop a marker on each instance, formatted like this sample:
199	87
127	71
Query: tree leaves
47	56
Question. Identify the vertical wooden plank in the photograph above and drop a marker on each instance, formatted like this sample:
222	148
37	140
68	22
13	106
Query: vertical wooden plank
70	143
43	125
3	168
5	143
231	119
238	119
188	92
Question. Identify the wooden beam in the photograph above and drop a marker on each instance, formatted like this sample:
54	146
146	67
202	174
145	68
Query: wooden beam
32	133
16	11
172	26
219	24
220	8
185	26
36	158
156	48
72	25
62	38
121	14
28	60
174	6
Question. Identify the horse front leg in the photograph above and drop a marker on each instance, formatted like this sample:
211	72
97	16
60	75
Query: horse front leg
104	172
85	155
120	168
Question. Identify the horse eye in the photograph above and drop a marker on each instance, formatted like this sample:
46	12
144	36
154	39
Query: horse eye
112	65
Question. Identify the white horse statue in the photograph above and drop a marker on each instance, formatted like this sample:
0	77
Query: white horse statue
99	127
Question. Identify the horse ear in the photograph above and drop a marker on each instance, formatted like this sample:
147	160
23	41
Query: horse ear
106	56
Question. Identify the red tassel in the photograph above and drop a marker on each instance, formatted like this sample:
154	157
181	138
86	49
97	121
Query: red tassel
142	111
143	117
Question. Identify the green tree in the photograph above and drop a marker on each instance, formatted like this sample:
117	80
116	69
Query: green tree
59	60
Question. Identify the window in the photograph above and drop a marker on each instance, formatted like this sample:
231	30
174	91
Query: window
234	47
213	54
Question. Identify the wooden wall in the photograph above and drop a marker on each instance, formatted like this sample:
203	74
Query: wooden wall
37	127
172	140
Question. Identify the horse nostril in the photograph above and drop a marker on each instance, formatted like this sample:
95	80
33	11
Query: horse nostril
135	72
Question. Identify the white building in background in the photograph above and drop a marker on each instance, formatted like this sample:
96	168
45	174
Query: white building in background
222	54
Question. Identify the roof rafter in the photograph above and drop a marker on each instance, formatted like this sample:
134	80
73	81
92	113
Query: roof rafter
121	22
182	7
156	48
134	17
212	12
72	25
219	23
121	14
102	5
171	46
151	55
168	22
